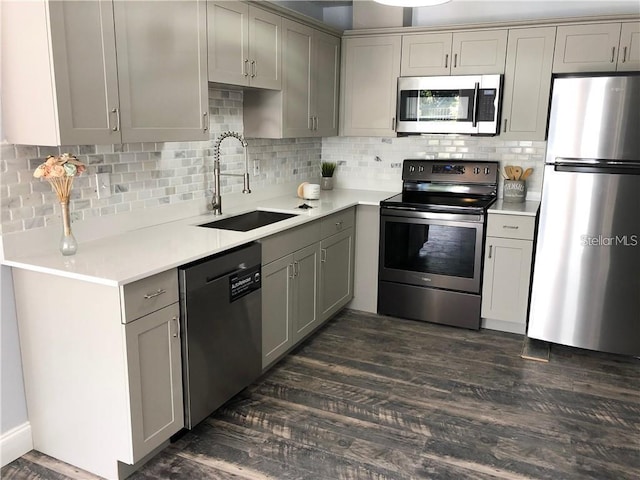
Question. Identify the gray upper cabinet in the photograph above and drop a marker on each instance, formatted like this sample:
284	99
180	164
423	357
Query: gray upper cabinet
99	76
162	70
311	82
59	90
458	53
298	63
370	71
244	45
527	83
629	51
326	84
307	106
598	47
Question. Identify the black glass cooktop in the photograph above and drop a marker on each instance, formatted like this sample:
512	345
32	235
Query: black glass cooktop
428	201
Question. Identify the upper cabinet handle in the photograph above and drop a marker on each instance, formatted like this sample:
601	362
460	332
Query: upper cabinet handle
117	127
253	68
446	61
613	54
205	122
455	61
393	124
624	54
505	126
245	70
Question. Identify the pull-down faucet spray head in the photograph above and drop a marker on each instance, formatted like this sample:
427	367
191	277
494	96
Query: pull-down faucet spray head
216	202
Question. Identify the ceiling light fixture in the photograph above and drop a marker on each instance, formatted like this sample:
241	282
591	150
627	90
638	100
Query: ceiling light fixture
412	3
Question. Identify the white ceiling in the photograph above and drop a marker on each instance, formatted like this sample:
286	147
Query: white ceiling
338	13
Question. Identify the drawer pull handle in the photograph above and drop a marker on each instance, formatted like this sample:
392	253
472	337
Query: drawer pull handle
511	227
155	294
339	225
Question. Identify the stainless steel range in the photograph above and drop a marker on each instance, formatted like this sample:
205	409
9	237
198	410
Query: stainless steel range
432	239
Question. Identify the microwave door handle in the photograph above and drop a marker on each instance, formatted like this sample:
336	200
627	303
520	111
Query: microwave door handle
476	92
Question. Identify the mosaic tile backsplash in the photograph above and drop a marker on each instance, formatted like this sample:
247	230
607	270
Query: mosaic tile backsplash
147	175
378	161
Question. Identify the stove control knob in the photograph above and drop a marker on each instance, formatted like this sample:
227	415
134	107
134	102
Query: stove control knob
476	170
421	169
412	168
487	170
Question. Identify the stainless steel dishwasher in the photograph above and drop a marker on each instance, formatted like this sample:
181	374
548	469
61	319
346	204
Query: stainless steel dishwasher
221	318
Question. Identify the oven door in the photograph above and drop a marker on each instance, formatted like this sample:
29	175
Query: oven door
431	249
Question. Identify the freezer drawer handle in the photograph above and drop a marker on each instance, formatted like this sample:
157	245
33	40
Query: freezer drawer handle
157	293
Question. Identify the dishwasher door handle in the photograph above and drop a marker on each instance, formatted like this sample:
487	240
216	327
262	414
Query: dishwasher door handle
239	269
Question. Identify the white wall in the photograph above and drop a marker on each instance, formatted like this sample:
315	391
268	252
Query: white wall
482	11
15	432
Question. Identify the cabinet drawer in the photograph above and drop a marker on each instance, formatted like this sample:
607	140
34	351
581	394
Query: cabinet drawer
281	244
511	226
337	222
150	294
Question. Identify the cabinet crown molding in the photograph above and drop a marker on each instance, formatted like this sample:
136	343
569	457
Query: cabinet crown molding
547	22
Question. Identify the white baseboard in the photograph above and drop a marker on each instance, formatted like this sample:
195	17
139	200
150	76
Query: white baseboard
15	443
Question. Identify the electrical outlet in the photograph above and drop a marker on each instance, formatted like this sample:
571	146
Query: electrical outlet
103	185
256	168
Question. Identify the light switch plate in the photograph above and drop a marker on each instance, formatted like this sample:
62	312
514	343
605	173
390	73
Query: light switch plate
103	185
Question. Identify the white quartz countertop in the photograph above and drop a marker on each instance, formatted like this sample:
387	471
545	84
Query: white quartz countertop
528	208
127	257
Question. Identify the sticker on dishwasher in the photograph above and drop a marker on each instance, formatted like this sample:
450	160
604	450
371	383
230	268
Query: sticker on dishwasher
243	283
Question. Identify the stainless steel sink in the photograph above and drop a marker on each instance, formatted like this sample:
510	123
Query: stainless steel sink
248	221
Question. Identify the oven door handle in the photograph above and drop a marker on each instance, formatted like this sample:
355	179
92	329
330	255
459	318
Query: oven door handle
410	212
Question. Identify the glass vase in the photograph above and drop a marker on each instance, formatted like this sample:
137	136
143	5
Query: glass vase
68	244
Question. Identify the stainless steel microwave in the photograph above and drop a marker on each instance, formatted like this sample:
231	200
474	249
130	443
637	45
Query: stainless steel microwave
468	104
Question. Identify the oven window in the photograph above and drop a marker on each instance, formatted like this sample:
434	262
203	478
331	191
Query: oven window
436	249
436	105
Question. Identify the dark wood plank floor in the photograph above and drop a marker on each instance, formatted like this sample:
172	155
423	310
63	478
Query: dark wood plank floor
373	397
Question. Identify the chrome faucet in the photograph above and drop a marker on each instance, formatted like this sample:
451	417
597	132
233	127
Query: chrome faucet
216	202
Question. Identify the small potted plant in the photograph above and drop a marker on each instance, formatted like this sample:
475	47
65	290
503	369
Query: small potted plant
327	175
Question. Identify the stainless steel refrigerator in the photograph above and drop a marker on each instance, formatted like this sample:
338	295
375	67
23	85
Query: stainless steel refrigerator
586	280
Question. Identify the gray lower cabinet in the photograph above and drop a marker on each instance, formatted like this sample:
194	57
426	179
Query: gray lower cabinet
289	301
507	272
155	379
336	272
307	276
